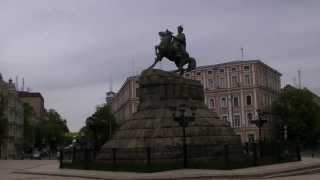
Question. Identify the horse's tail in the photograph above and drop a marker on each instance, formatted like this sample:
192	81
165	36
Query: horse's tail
192	64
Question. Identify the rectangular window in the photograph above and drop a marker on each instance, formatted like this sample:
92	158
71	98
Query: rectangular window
249	117
251	138
223	102
236	101
221	85
210	83
198	73
247	80
246	68
249	100
225	117
236	121
211	103
221	70
234	81
209	72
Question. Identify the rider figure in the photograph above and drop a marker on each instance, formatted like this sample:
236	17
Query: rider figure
179	43
181	38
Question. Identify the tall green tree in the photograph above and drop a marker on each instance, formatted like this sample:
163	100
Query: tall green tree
99	126
298	110
51	132
28	128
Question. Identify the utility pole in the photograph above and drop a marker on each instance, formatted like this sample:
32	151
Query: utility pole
299	79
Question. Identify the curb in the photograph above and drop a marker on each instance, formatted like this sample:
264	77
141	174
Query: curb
294	171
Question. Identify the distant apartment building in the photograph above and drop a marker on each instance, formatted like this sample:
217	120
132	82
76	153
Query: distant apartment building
36	101
11	142
234	90
125	102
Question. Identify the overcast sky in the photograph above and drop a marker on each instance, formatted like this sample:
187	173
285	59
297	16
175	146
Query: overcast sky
70	49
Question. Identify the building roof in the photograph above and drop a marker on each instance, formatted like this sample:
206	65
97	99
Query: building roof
130	78
238	62
23	94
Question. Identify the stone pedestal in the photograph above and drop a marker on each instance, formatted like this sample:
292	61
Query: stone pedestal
153	126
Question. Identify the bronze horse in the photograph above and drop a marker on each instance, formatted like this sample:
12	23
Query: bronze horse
168	48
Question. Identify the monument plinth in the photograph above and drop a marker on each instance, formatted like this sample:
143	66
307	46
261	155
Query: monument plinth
152	126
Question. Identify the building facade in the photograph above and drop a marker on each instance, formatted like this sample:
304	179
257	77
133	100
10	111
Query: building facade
125	102
12	140
234	90
36	101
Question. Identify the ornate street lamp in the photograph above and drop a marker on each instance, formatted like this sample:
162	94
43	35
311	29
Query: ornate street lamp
183	119
259	123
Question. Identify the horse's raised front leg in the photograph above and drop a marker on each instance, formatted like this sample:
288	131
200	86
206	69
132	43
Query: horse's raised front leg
157	59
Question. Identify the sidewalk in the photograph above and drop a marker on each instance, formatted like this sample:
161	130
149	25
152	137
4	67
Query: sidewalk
306	164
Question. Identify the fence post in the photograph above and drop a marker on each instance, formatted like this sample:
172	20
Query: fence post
148	156
61	159
114	157
255	159
298	152
247	148
73	154
86	159
226	155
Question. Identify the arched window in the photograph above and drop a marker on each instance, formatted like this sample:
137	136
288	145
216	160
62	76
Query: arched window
211	103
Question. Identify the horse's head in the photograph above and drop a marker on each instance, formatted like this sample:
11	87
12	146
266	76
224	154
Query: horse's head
165	34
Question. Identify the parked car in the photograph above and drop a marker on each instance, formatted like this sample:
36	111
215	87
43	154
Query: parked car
36	155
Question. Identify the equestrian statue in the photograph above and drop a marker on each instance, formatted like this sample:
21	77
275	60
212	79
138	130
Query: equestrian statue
174	49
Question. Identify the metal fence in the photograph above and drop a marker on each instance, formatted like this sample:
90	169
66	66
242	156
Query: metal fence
206	157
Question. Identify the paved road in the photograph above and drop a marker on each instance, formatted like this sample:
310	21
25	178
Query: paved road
8	167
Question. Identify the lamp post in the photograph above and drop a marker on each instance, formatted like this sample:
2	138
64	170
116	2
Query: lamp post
184	121
259	123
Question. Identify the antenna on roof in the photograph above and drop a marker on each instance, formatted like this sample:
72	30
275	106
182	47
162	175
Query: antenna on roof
133	68
110	84
242	53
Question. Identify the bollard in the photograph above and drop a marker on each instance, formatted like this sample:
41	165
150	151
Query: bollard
298	152
185	156
148	156
247	148
114	158
226	156
278	151
86	159
73	154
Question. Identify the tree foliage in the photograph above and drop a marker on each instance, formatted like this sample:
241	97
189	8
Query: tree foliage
3	119
28	128
51	132
99	126
298	110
